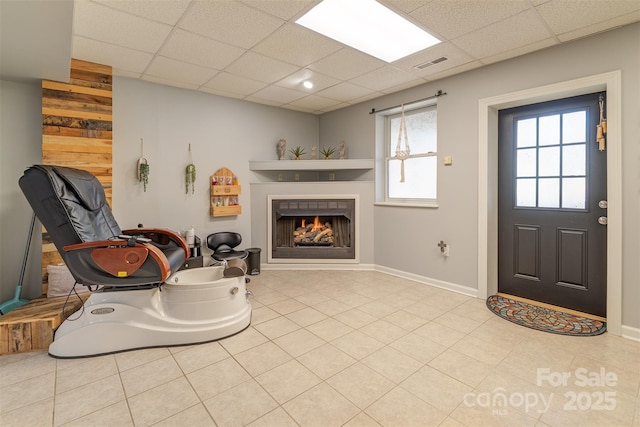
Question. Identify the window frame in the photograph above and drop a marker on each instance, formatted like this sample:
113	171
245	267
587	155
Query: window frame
385	153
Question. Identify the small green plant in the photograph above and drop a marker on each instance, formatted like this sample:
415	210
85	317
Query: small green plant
327	152
143	172
297	152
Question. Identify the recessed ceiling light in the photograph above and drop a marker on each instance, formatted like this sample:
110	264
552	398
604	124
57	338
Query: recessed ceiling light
368	26
307	84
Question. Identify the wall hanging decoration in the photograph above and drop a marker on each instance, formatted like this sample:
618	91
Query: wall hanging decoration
190	178
601	130
143	167
402	154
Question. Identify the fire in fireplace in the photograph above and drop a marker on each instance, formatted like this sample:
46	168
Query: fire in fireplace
313	229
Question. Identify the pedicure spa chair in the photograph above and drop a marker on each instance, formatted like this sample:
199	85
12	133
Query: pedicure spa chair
140	298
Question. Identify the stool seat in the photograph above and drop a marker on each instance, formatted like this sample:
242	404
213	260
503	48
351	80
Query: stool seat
223	245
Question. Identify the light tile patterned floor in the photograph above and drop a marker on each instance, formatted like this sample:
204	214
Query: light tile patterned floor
329	348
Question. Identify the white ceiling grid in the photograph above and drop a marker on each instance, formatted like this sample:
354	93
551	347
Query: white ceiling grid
253	50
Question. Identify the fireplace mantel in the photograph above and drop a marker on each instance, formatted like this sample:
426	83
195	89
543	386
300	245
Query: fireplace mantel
311	165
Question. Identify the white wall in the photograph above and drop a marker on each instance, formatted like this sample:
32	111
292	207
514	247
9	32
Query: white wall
406	238
222	132
20	147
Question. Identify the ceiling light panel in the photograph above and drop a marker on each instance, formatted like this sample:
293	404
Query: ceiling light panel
368	26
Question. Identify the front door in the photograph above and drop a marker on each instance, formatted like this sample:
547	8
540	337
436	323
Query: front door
552	204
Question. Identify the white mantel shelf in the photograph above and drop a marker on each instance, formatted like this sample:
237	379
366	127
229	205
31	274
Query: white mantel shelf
311	165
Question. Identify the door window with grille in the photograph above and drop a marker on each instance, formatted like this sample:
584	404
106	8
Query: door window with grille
551	159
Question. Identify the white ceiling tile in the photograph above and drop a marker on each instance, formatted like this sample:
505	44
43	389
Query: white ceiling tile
519	30
282	95
404	6
455	70
189	47
453	18
234	84
295	80
165	11
220	92
98	22
455	57
345	91
542	44
169	82
369	97
122	58
383	78
601	26
404	86
260	67
170	69
314	102
263	101
284	9
294	44
565	16
124	73
346	64
229	21
335	107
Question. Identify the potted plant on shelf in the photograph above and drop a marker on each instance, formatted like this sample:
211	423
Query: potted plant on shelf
327	152
297	152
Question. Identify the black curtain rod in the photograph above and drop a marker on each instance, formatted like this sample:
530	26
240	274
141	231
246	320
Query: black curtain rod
438	94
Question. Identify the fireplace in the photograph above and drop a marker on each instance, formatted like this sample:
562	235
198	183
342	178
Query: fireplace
313	229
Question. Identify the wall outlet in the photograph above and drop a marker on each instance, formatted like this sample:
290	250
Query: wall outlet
280	177
332	176
296	177
448	160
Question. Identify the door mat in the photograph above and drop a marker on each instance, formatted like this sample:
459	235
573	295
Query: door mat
544	319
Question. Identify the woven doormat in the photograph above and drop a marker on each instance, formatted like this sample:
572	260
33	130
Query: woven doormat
544	319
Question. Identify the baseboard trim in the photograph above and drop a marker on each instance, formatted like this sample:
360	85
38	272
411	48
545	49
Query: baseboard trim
630	332
315	266
429	281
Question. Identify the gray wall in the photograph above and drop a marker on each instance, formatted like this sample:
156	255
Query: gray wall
20	147
222	132
406	238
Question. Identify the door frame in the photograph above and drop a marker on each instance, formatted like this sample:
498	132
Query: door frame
610	82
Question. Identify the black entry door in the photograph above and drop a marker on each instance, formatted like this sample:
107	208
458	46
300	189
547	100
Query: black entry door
552	201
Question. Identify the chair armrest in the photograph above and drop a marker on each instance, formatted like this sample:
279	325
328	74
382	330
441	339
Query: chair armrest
114	265
161	236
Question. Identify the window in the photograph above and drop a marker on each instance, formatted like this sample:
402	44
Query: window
420	168
551	161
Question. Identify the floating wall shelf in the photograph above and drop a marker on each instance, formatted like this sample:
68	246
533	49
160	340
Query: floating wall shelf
311	165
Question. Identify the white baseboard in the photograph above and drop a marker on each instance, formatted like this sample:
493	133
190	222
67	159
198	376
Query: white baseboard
630	332
429	281
315	266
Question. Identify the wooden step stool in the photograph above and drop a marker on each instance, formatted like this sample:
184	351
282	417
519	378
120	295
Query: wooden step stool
31	326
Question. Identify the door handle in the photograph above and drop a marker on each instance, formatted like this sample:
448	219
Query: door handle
602	204
602	220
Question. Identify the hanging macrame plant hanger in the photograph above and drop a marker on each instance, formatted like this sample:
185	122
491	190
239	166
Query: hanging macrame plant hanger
402	154
190	172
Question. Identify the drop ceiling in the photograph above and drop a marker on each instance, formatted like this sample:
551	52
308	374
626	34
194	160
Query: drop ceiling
253	50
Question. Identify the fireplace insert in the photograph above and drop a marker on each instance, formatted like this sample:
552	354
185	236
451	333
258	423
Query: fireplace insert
313	228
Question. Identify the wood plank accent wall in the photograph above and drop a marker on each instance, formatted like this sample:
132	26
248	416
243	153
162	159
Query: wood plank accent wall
77	131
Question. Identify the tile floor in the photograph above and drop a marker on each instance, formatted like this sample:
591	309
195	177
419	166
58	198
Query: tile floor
329	348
